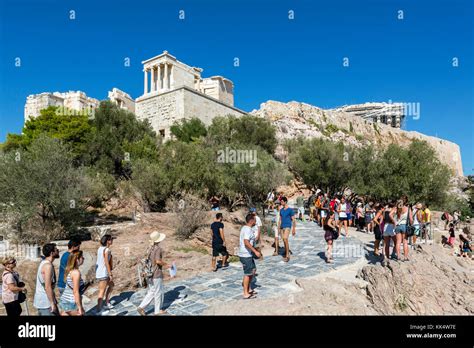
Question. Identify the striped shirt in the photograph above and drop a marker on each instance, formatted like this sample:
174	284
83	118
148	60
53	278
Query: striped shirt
68	294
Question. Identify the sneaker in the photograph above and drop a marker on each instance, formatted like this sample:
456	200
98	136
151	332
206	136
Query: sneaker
108	306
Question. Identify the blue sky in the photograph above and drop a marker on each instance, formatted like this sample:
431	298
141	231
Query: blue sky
406	60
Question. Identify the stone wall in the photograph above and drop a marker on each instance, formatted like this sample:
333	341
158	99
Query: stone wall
206	108
163	110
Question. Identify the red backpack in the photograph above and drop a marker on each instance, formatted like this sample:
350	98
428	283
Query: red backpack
332	204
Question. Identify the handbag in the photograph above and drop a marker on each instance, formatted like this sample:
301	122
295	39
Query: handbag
335	233
410	228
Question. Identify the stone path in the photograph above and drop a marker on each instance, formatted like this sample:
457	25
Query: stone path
275	277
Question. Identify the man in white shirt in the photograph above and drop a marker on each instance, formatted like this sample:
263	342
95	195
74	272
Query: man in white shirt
258	226
246	252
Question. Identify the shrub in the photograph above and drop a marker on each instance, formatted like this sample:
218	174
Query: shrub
189	130
191	214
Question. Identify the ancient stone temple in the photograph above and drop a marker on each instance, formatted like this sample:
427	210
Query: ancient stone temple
391	114
173	91
72	100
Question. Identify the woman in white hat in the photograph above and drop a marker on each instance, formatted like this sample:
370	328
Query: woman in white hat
155	284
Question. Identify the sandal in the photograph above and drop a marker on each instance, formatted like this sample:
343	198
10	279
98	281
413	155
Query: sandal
252	296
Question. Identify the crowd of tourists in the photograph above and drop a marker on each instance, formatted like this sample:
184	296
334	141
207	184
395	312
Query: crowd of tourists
395	225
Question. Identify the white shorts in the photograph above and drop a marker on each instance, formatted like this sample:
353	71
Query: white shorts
275	231
323	213
301	210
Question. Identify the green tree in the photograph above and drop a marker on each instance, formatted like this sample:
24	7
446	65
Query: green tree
72	129
118	138
319	163
41	190
250	182
388	174
189	130
247	130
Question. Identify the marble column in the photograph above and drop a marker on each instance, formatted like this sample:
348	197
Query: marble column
153	80
166	77
145	84
159	83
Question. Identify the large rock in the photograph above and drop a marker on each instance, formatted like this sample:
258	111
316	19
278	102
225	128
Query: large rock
293	119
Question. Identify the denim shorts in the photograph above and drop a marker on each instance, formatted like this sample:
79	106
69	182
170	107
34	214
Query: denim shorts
388	230
401	229
248	265
45	312
67	306
107	278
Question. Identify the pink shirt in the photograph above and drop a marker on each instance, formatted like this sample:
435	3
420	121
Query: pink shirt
8	295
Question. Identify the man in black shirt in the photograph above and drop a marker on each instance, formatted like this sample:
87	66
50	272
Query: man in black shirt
218	242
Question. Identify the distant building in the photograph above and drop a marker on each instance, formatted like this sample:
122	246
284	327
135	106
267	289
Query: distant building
122	99
72	100
392	114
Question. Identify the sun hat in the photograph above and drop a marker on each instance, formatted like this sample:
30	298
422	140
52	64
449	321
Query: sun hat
156	237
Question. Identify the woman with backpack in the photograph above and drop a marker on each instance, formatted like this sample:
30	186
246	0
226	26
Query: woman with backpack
377	223
331	233
71	298
103	273
154	274
417	216
12	288
388	229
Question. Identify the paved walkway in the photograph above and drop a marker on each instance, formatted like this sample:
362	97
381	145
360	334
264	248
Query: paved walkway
275	277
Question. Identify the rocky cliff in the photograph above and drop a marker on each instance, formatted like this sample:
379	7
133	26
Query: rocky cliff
293	119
